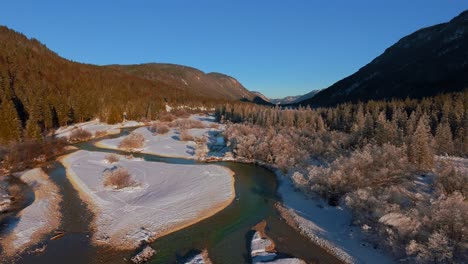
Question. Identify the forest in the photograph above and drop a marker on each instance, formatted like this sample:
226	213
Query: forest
397	165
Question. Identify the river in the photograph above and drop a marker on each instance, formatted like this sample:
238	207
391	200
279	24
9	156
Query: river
226	235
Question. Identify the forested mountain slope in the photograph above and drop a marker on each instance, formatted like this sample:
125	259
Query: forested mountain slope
427	62
189	79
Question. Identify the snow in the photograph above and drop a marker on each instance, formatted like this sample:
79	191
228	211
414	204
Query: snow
169	196
329	226
201	258
262	250
38	219
95	126
5	198
144	255
169	144
259	244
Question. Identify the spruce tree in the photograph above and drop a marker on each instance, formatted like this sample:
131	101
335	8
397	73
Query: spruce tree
33	130
419	151
443	139
10	125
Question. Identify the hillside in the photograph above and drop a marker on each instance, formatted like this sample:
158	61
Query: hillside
215	85
427	62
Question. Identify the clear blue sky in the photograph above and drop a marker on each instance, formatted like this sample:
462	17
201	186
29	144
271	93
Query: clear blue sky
276	47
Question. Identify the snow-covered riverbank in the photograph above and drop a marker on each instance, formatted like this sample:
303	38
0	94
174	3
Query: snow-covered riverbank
95	127
168	196
170	144
328	226
38	219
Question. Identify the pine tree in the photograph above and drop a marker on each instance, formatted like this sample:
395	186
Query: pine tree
33	130
10	125
419	151
381	130
443	139
70	116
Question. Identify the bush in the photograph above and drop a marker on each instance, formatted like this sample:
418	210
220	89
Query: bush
112	158
185	135
214	125
158	128
100	133
79	134
451	179
373	167
118	178
166	117
181	113
187	124
27	154
132	141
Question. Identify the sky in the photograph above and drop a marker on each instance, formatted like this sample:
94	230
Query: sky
279	48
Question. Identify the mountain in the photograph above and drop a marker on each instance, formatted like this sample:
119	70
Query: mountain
262	96
215	85
428	62
294	99
306	96
285	100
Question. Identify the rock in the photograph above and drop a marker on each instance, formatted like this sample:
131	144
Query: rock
5	198
201	258
144	255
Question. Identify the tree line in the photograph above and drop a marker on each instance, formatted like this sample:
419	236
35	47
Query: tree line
399	166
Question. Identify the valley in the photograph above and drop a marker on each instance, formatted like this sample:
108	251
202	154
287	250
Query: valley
131	159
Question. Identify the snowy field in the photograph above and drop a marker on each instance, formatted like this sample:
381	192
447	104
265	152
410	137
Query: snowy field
38	219
170	144
168	197
95	126
328	226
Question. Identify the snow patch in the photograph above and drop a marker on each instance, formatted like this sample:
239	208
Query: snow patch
171	196
38	219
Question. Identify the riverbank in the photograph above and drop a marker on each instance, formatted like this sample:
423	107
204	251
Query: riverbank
168	197
37	220
95	127
171	144
329	227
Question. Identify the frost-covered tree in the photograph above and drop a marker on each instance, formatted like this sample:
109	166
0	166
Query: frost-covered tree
420	151
443	139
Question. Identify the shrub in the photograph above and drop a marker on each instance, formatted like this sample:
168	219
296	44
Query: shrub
79	134
200	140
132	141
166	117
112	158
100	133
372	166
27	154
185	135
214	125
181	113
118	178
158	128
451	179
187	124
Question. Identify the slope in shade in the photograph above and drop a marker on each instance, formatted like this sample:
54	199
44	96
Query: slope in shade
428	62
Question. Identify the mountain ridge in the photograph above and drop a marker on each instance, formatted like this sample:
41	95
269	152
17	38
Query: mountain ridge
212	84
427	62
